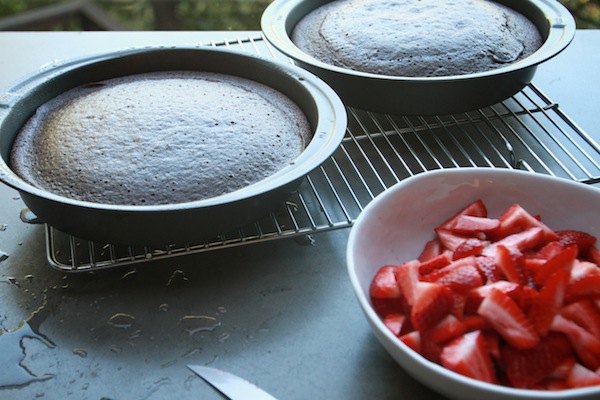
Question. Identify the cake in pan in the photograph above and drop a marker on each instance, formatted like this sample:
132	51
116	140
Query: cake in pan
416	38
159	138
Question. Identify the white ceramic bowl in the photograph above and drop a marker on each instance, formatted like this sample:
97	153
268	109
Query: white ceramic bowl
395	226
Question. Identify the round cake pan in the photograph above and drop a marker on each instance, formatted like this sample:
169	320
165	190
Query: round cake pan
173	223
427	95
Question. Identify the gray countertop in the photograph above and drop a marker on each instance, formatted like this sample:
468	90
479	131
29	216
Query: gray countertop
280	313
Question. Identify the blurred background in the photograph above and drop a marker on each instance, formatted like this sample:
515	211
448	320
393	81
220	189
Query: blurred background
144	15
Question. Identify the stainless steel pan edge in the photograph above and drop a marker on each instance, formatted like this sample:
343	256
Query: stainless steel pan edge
176	223
424	96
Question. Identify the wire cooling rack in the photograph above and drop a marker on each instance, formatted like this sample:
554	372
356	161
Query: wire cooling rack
526	131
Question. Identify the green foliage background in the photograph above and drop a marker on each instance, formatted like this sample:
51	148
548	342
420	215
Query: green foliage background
227	14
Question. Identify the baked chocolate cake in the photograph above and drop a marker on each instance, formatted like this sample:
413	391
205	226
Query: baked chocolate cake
159	138
417	38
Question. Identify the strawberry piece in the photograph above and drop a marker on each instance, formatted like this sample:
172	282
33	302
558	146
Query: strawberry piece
412	340
522	241
562	261
407	276
450	240
580	377
581	269
588	286
430	349
470	247
563	369
492	343
383	285
435	263
585	314
582	240
548	251
474	209
476	323
384	307
468	224
525	297
516	219
461	279
549	301
394	322
468	356
511	262
477	295
447	329
593	255
432	302
527	368
508	320
432	249
487	268
586	345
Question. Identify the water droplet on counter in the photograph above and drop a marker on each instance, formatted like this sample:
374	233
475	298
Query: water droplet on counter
12	372
163	307
115	349
129	274
3	227
135	334
223	337
80	352
3	256
177	278
121	320
221	310
29	217
197	323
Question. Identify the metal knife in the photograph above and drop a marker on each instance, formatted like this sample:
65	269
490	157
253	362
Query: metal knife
232	386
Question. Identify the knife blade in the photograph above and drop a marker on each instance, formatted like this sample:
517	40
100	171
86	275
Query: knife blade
230	385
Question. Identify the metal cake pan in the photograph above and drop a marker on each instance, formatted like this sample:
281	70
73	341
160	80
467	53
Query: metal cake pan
173	223
424	96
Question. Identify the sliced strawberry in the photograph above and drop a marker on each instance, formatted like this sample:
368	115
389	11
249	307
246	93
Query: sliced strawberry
383	285
563	369
517	219
492	343
468	356
593	255
527	368
549	301
461	279
432	302
562	261
581	376
387	306
432	249
587	286
475	209
477	295
585	314
447	329
487	268
522	241
435	263
430	349
508	320
407	276
394	322
582	240
525	297
412	340
450	240
586	345
470	247
548	251
469	224
512	263
476	323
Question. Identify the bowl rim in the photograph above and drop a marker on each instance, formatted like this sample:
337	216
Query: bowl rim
561	31
327	133
377	324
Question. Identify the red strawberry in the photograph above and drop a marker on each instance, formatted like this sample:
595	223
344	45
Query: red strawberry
435	263
585	314
548	251
586	345
468	224
412	340
582	240
563	369
384	283
468	356
508	320
588	286
487	268
511	262
477	295
580	376
447	329
450	240
407	276
522	241
549	301
432	302
394	322
432	249
517	219
562	261
475	209
384	306
593	255
470	247
581	269
526	368
461	279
